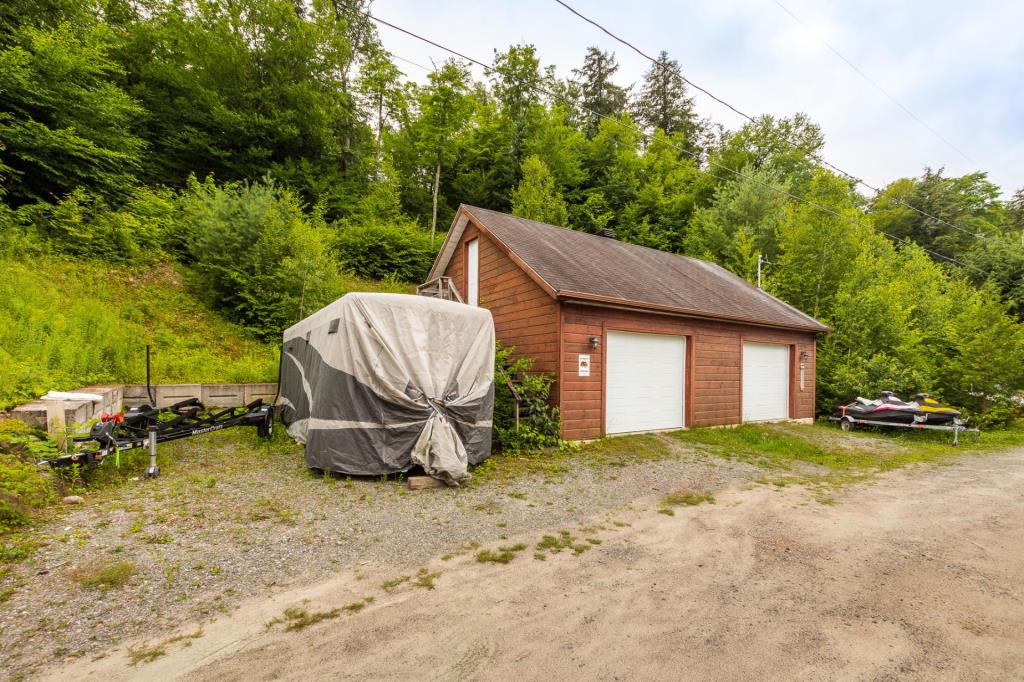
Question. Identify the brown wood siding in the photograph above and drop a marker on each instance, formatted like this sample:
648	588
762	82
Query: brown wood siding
714	366
525	316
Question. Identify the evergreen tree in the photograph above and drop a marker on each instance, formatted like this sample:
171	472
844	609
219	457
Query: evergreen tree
597	93
537	196
663	104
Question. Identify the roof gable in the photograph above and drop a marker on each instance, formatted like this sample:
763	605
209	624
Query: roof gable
586	267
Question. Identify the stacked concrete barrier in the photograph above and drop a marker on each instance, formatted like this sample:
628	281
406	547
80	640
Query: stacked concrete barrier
59	416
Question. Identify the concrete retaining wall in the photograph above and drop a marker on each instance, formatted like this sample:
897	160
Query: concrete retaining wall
211	395
58	415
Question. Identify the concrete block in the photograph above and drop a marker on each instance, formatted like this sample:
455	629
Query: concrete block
77	413
264	391
33	413
112	398
168	394
134	395
223	395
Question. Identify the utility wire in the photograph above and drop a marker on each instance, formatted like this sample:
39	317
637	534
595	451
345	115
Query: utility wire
490	69
750	118
875	84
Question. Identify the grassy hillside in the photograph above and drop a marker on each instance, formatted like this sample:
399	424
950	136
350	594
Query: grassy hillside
65	324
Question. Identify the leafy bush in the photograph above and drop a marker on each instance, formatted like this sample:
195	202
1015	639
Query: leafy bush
83	224
256	255
24	488
379	251
539	422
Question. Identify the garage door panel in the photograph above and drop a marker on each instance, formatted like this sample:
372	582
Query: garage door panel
765	381
644	382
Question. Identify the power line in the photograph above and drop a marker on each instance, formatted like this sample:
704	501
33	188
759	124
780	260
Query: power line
750	118
490	69
875	84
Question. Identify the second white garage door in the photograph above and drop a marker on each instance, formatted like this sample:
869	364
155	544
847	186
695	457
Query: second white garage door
765	382
644	382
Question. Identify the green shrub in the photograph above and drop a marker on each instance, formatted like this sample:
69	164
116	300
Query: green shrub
84	225
379	251
257	257
539	422
23	489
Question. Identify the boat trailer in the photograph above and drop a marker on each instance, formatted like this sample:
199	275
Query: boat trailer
848	423
146	426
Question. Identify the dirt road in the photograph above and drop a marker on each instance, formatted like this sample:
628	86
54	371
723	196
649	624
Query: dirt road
919	575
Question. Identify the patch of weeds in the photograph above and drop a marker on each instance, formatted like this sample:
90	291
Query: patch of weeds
489	507
556	543
357	606
390	585
447	557
103	573
158	539
296	618
501	524
147	653
6	593
517	495
620	524
503	555
594	541
685	496
266	508
426	579
137	525
666	511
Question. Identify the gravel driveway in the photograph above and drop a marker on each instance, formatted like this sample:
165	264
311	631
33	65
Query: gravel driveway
232	519
916	577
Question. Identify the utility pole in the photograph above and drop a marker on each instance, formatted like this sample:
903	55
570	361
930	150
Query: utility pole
760	260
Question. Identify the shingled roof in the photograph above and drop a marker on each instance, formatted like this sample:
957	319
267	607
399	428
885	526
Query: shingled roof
579	266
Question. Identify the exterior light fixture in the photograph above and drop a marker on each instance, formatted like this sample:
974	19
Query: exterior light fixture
595	342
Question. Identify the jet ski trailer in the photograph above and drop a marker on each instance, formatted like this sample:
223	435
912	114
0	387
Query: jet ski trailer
889	411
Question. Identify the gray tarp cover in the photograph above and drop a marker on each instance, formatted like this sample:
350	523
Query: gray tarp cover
378	383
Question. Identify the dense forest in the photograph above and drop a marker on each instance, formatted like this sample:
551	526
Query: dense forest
273	150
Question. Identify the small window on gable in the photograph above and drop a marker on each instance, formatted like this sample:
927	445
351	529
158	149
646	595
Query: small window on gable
333	328
473	272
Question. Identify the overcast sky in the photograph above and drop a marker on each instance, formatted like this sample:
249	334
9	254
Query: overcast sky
958	66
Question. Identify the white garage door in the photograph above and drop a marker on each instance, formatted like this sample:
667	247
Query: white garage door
644	374
765	382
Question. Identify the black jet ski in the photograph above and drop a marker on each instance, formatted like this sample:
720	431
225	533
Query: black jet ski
888	408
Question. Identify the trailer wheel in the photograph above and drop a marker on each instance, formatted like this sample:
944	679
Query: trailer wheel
265	429
846	424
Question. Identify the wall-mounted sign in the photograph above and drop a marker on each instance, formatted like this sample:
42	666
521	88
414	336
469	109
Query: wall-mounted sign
584	365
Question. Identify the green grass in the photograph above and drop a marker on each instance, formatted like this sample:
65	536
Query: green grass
786	446
553	463
686	497
65	324
503	555
104	573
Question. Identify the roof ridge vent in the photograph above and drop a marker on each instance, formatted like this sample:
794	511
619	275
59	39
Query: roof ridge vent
608	232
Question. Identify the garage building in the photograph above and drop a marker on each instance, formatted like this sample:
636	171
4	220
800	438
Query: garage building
638	339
